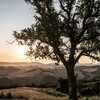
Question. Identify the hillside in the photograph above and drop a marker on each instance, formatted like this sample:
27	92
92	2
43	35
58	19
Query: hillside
37	73
41	94
33	94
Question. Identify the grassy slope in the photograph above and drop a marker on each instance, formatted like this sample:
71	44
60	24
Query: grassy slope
38	94
32	94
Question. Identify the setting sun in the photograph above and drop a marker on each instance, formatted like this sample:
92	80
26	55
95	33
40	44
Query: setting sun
21	52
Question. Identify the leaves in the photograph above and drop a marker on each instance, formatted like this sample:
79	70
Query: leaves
75	21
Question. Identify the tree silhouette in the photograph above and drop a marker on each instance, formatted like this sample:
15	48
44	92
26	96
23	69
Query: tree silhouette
64	30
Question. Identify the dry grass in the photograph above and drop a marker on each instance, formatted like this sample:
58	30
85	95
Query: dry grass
39	94
32	94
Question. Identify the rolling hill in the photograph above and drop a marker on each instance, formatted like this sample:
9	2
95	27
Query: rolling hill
38	73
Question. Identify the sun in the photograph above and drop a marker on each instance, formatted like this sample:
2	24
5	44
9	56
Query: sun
21	52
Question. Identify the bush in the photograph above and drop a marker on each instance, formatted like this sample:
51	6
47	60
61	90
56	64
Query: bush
87	91
96	88
63	85
91	88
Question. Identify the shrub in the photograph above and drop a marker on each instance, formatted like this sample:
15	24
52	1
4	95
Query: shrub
91	88
96	88
87	91
63	85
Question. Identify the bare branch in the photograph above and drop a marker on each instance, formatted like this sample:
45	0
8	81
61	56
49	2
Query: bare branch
63	8
62	16
75	14
79	56
11	41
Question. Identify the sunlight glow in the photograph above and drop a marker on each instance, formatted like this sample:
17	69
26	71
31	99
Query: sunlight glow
21	52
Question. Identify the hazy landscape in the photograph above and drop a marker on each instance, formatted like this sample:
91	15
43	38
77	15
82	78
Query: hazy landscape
26	79
36	33
38	73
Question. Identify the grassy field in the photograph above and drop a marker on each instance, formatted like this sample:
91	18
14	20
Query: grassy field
41	94
33	94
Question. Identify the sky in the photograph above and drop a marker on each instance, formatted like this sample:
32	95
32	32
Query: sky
15	15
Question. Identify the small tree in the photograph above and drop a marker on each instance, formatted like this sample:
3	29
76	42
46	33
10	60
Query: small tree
64	30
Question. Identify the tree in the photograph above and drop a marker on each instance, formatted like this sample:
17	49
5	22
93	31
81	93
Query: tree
64	31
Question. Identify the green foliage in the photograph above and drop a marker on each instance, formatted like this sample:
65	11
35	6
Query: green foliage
89	89
63	85
73	27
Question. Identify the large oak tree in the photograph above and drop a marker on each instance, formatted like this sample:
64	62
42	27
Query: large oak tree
64	31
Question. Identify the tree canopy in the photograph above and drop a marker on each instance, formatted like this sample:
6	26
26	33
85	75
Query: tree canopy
60	24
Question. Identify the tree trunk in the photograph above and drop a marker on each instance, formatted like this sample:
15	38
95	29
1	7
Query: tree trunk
72	82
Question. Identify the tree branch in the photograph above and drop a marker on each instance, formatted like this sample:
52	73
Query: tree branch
63	8
11	42
93	57
62	16
79	56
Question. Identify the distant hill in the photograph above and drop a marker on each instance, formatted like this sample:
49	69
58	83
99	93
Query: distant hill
18	64
38	73
4	81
